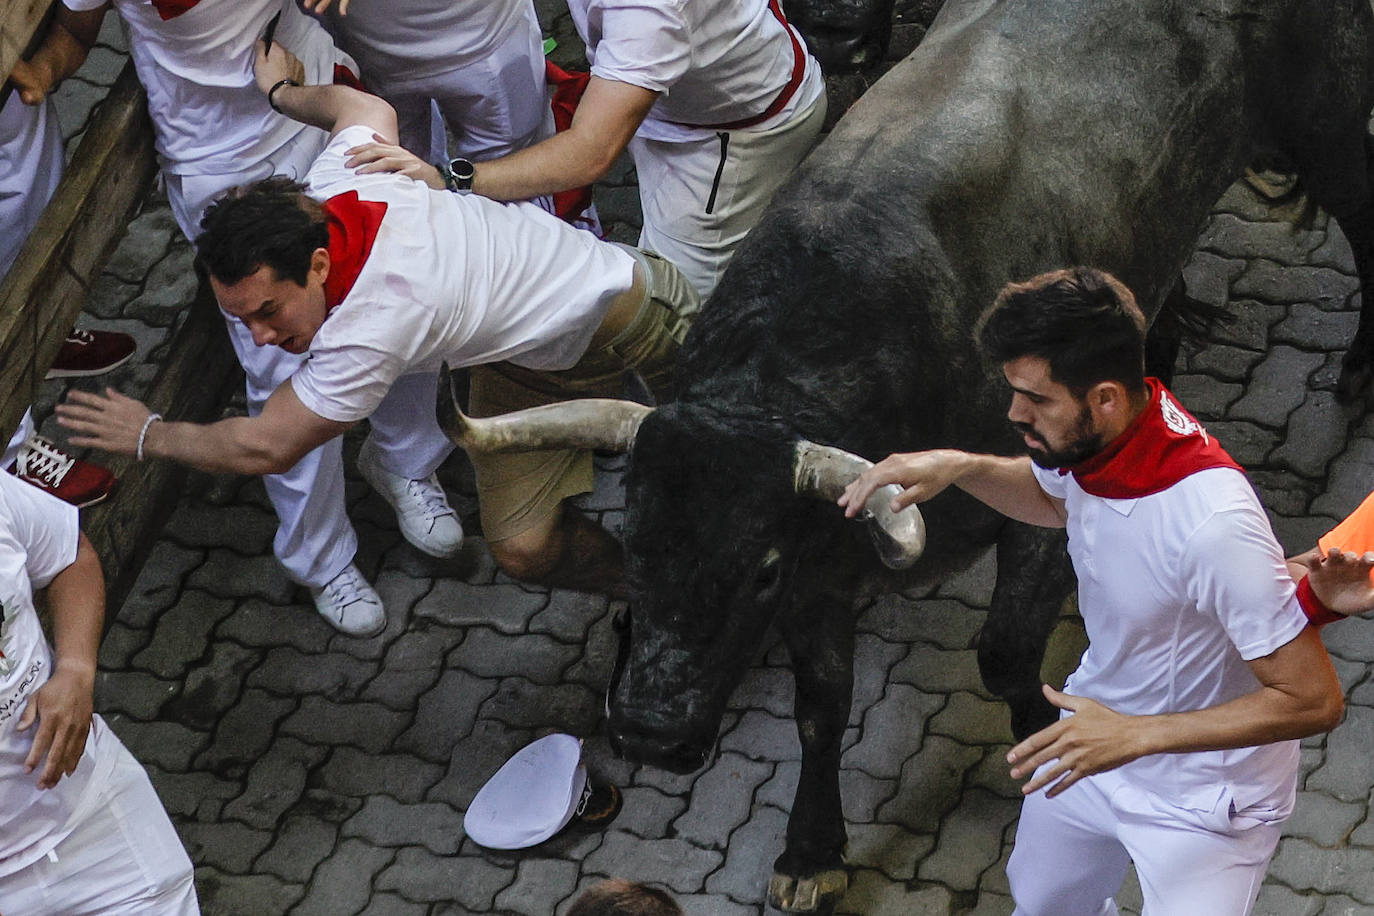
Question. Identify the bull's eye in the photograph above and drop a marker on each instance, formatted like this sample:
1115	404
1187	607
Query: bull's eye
769	575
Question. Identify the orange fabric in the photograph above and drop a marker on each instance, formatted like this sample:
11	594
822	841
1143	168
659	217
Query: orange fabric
1355	532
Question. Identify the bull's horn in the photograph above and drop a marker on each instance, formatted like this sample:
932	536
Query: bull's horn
586	423
824	471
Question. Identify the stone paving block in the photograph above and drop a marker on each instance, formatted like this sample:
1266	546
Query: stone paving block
932	670
1302	866
444	714
276	781
487	653
568	616
1348	481
861	794
169	290
356	773
246	730
343	882
1311	328
1269	281
647	812
973	586
1277	386
212	688
993	773
242	895
183	794
768	689
892	730
673	863
369	726
421	875
413	664
301	844
760	736
1323	820
384	821
870	894
779	790
145	242
1296	535
1245	239
1207	277
1230	364
133	693
571	708
1205	397
109	296
873	664
973	719
159	584
228	846
1248	327
1340	905
257	623
285	671
538	887
712	905
399	594
393	905
969	841
992	904
165	744
929	785
946	623
202	526
505	608
721	800
228	575
474	760
1246	442
749	860
598	651
890	849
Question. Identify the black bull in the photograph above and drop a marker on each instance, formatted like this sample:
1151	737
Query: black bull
1018	138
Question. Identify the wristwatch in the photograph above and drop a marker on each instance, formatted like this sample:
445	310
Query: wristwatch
458	175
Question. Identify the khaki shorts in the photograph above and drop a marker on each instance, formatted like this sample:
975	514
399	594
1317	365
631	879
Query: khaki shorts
515	492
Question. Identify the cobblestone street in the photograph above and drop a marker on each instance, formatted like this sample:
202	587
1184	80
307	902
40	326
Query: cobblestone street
312	773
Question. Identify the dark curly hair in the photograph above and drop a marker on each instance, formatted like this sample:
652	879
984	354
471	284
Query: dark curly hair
1082	321
269	223
618	897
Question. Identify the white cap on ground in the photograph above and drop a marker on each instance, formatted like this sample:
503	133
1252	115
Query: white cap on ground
532	796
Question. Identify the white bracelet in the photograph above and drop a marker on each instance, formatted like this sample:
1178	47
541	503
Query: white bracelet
143	433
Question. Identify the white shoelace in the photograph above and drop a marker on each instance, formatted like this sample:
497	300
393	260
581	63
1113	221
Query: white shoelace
429	498
346	588
80	336
41	460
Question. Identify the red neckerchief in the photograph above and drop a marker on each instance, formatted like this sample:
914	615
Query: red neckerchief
353	226
171	9
1160	447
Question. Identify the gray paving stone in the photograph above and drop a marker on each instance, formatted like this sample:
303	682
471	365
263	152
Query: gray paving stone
159	584
393	905
243	895
568	616
973	719
228	846
1323	820
357	773
721	800
169	290
933	670
1340	905
647	812
245	731
133	693
1247	443
182	635
571	708
1348	481
399	594
301	844
760	736
386	822
257	623
994	773
183	794
444	714
768	689
421	875
487	653
969	840
929	785
1276	387
892	730
1269	281
991	903
1248	239
1277	900
946	623
343	883
1311	328
890	849
749	859
538	887
506	608
1303	866
779	790
226	574
671	862
1205	397
1348	771
120	645
369	726
212	688
287	671
861	795
164	744
973	586
1248	327
1231	364
474	760
1207	277
276	782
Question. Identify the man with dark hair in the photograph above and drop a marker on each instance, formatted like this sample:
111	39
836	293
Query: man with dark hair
618	897
1176	747
379	276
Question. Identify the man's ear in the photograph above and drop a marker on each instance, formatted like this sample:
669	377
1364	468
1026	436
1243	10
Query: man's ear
1109	398
320	263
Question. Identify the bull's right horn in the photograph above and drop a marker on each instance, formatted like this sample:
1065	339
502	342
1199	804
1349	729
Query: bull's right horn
606	424
824	471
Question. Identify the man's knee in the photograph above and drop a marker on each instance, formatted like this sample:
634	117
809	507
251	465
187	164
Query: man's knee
530	555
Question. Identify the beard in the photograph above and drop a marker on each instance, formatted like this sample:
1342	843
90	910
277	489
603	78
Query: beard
1082	444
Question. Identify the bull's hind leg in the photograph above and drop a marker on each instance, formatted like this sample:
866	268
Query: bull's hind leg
1034	576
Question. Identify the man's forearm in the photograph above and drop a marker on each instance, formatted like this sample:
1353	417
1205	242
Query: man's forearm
1009	486
237	445
561	162
325	107
76	597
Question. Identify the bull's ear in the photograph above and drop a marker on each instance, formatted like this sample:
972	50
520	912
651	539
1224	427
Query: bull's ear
823	472
586	423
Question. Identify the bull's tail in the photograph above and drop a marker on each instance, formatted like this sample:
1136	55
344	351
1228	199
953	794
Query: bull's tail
1182	321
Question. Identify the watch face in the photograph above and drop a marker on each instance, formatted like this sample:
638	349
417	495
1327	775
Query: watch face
463	172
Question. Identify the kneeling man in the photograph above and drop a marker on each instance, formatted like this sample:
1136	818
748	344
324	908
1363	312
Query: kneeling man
1176	747
375	276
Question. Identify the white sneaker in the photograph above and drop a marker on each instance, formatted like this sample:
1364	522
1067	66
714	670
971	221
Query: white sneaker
422	510
350	605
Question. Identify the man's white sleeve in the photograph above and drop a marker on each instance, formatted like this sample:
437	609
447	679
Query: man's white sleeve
48	529
646	45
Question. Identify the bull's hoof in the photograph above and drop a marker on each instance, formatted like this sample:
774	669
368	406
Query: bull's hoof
819	893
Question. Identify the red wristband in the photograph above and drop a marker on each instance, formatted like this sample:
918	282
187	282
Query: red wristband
1318	614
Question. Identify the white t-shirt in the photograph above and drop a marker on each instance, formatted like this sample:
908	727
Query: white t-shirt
417	39
197	68
1177	591
456	278
31	165
714	61
38	539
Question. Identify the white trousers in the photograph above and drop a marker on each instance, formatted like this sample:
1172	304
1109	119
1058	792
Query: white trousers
1072	852
123	859
314	539
701	198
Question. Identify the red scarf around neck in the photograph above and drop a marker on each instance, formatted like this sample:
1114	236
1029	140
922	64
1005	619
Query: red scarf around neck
352	225
1160	447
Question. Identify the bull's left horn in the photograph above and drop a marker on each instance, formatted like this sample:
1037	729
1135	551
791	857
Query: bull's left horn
823	471
586	423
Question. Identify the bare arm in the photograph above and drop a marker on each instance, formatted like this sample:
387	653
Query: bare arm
1340	579
63	706
330	108
1299	696
64	49
1005	484
270	443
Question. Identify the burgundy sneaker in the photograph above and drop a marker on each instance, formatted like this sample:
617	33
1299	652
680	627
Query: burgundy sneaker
86	353
47	467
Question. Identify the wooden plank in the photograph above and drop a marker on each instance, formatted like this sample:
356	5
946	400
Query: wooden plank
19	21
44	292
